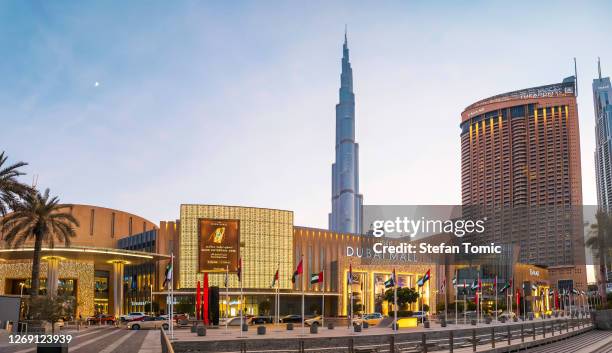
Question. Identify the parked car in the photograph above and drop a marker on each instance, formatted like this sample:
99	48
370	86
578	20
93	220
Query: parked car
507	315
133	316
101	319
258	320
232	321
420	315
372	319
149	322
313	321
291	319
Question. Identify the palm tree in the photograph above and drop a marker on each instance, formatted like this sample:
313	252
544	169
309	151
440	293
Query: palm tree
600	241
10	188
41	218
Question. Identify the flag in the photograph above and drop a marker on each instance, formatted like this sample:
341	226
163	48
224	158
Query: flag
274	279
298	271
168	274
424	279
495	283
316	278
575	291
226	279
454	281
443	286
391	281
556	299
474	285
349	280
239	272
504	288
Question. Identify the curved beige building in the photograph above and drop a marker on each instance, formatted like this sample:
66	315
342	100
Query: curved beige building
91	269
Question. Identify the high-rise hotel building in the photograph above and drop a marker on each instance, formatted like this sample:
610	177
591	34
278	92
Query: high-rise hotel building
522	148
520	163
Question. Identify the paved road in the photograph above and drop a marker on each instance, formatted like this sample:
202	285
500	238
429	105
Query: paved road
98	340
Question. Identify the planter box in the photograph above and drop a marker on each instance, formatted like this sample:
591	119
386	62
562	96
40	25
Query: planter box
201	330
602	319
52	348
314	329
261	330
289	327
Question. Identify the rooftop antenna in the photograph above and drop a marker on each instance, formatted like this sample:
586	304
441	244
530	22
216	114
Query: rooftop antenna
34	181
575	77
599	67
345	33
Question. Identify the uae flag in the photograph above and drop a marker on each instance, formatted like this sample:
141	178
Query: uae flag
349	279
424	279
298	271
316	278
391	281
239	272
274	279
504	287
168	274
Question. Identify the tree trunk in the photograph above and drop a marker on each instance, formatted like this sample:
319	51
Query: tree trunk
36	265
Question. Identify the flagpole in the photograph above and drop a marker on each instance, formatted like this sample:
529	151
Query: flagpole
351	320
445	303
477	297
524	304
171	317
227	303
302	280
455	288
323	298
241	307
495	297
394	302
464	302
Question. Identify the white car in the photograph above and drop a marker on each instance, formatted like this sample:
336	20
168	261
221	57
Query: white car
132	316
149	323
315	320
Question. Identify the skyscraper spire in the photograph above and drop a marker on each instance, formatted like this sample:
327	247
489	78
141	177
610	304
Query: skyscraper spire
345	34
347	203
599	67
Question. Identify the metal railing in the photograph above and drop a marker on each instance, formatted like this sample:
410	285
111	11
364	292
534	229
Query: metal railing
447	340
165	342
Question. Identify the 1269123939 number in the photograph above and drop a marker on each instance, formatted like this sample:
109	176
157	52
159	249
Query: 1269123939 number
27	339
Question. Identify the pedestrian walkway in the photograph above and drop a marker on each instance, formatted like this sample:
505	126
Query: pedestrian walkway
152	343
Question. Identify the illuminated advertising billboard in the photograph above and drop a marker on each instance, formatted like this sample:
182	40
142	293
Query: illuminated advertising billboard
219	245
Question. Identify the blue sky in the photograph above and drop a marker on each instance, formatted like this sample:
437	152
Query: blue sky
212	102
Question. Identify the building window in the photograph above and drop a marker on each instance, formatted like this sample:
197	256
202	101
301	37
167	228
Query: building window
113	225
91	221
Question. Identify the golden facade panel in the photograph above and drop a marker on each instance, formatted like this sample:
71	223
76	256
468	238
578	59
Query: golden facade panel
266	237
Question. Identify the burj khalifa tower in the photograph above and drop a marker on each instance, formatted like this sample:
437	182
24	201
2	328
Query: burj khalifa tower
347	203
